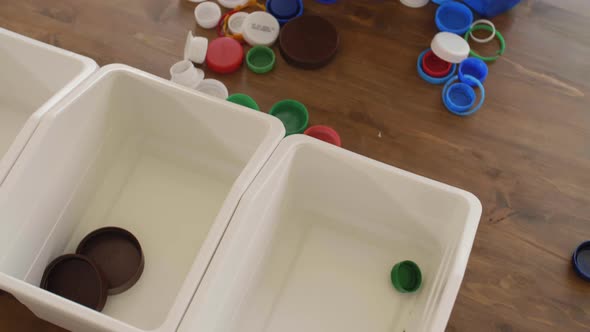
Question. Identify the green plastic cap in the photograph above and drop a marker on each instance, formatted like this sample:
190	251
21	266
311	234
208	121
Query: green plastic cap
244	100
406	277
260	59
293	114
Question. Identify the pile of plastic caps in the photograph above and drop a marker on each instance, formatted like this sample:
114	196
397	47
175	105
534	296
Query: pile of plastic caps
450	59
258	25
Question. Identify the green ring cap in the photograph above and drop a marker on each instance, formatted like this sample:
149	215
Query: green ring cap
293	114
406	277
260	59
244	100
498	35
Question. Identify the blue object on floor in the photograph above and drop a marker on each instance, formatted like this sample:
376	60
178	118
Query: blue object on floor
284	10
453	17
581	260
487	8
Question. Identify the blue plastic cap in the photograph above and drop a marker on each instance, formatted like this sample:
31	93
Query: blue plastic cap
430	79
491	8
284	10
453	17
581	260
474	67
327	2
454	100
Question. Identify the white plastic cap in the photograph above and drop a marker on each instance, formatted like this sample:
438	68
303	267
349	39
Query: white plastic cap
195	48
260	28
196	1
415	3
185	73
450	47
207	14
213	88
236	22
232	3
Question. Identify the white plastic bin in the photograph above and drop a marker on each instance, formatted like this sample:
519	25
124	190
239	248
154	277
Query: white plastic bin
132	150
33	76
312	242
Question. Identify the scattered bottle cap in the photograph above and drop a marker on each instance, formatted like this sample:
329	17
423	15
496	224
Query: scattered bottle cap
195	48
324	133
244	100
415	3
260	59
284	10
224	55
213	88
207	14
474	67
236	22
232	3
581	260
293	114
185	74
450	47
435	66
260	28
432	79
453	17
309	42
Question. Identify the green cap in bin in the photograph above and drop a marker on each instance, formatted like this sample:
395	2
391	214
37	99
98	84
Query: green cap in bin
406	277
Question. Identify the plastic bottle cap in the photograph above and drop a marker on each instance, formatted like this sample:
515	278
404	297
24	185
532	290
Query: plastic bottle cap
460	96
455	106
415	3
185	73
581	260
406	277
284	10
293	114
76	278
474	67
213	88
118	255
236	22
453	17
260	59
432	79
244	100
324	133
207	14
450	47
309	42
260	28
435	66
232	3
195	48
225	55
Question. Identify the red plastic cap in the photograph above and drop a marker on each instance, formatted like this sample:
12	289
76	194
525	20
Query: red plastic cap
324	133
224	55
435	66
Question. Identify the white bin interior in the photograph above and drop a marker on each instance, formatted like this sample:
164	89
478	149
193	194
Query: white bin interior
33	76
313	240
167	164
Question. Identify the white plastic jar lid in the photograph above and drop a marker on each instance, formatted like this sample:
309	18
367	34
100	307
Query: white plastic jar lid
260	28
236	22
415	3
207	14
450	47
213	88
195	48
232	3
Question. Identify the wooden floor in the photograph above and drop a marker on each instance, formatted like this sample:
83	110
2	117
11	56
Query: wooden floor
526	154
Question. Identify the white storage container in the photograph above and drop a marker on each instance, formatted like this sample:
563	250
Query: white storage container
312	242
132	150
33	76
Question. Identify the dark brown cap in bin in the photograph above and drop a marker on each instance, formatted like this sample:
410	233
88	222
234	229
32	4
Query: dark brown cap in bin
309	42
76	278
118	255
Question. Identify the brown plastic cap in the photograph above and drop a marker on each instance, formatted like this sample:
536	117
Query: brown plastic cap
309	42
118	255
76	278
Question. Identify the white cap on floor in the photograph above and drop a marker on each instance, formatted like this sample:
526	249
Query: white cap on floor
415	3
195	48
185	73
232	3
213	88
236	22
450	47
260	28
207	14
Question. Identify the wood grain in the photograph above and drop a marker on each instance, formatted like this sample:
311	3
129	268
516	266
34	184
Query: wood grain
526	154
